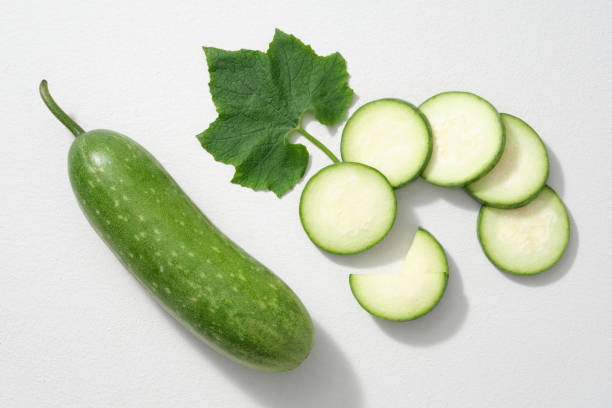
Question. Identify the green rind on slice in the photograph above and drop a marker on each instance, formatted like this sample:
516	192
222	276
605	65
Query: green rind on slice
390	135
411	293
521	172
468	138
525	240
347	208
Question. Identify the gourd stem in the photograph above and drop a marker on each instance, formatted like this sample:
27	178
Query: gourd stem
57	111
318	144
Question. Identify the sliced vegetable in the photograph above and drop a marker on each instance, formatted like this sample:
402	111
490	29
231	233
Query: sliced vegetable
525	240
217	290
521	172
390	135
410	293
468	138
347	207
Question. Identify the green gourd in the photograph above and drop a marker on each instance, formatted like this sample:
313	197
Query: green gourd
213	287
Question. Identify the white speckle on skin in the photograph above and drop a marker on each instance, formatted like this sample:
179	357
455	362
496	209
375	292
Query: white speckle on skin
182	223
107	222
131	254
121	180
219	276
241	276
191	254
98	212
157	253
167	289
234	288
141	218
125	198
137	237
116	203
174	253
91	183
155	230
208	260
161	268
113	188
214	248
154	284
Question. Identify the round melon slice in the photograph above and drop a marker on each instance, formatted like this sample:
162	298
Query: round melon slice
412	292
390	135
521	172
468	138
347	208
525	240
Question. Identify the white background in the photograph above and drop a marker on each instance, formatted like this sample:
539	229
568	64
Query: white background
76	329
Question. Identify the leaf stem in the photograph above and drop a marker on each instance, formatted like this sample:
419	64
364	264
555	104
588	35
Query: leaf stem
320	145
57	111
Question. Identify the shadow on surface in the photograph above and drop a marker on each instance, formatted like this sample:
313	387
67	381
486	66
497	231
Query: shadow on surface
325	378
421	193
555	173
438	325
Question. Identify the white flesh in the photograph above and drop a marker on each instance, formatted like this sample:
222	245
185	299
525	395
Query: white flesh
389	135
520	173
413	291
347	207
467	137
528	239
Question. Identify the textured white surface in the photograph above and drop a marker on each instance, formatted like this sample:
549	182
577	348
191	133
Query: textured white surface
76	329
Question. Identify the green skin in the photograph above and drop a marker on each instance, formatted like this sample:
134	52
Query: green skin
485	169
208	283
409	106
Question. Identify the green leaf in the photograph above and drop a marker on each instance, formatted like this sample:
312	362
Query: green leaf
260	98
